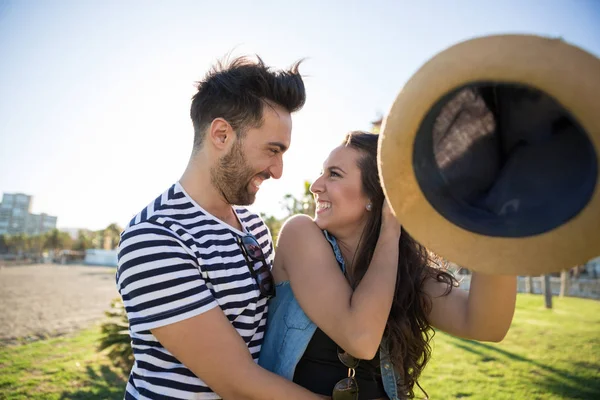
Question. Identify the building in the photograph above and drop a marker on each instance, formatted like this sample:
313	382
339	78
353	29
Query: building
16	216
101	257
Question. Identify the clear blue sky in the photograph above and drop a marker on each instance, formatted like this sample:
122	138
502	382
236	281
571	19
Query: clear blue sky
95	95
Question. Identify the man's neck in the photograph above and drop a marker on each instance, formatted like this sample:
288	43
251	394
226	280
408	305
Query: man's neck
197	184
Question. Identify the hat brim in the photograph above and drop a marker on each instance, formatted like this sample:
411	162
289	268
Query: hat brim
568	74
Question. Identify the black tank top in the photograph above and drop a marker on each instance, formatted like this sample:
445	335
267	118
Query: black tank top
320	369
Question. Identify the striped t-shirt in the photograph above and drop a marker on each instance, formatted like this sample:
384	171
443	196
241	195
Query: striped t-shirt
177	261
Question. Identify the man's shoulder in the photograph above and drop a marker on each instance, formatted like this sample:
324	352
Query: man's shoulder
247	215
253	222
158	216
172	207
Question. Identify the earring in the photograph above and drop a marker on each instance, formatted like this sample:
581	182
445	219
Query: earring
369	207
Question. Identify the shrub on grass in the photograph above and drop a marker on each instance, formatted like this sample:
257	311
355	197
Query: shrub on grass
115	336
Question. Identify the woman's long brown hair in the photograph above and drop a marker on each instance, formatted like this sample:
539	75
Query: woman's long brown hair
407	331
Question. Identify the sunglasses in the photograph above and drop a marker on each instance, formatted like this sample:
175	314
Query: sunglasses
253	252
347	388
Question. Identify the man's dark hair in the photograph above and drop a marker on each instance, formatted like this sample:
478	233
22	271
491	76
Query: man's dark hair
238	90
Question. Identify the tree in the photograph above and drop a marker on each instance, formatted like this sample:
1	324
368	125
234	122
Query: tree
303	205
547	290
83	242
115	336
376	125
529	284
57	240
37	245
97	238
20	243
273	224
564	283
111	236
4	244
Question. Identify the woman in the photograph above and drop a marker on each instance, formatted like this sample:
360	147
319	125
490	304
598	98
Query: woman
357	297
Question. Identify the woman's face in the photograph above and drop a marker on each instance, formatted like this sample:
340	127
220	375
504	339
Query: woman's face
341	203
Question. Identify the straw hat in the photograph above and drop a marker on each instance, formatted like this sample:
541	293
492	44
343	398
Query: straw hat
490	155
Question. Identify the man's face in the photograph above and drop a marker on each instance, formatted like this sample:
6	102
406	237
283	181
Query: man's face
254	157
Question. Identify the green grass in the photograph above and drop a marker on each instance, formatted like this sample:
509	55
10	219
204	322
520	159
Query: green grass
548	354
60	368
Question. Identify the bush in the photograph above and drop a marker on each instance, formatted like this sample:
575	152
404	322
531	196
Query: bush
115	336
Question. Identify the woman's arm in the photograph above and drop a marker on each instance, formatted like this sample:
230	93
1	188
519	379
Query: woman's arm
355	320
483	313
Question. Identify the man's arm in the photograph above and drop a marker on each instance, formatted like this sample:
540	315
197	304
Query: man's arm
211	348
164	292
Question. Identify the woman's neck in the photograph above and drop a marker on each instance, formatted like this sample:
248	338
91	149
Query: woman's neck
348	242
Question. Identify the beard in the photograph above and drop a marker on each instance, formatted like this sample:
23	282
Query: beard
232	176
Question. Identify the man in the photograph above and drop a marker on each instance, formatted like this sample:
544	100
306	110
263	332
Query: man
192	265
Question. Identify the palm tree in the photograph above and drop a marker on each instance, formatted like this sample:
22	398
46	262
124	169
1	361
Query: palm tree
308	200
97	238
376	125
57	241
564	283
19	244
547	290
115	336
4	244
53	240
303	205
83	242
529	284
37	245
273	224
112	235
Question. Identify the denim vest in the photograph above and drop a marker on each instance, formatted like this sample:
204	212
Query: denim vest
289	331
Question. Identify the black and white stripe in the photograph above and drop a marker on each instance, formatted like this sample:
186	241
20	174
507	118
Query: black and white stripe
177	261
